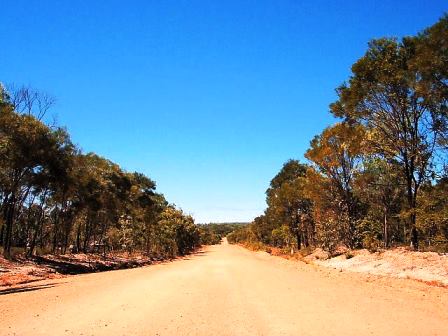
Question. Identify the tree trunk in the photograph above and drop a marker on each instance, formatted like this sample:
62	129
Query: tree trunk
412	203
386	229
305	239
78	239
414	232
9	222
299	239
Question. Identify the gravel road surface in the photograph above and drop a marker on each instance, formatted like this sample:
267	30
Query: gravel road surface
224	290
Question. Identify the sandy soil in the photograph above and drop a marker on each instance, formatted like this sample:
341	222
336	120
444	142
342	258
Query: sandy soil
428	267
23	271
225	290
50	266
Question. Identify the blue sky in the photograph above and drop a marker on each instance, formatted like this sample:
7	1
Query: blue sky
208	98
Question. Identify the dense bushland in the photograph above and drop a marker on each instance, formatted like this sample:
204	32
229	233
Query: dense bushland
379	176
56	199
213	233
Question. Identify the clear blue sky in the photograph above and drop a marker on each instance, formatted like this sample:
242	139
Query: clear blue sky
208	98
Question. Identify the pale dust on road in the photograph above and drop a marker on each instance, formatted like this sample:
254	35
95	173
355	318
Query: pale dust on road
225	290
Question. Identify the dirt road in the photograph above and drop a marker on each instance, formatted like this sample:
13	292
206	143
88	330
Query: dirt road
224	290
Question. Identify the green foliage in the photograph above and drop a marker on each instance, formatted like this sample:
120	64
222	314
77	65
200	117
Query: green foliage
432	219
213	233
282	237
398	93
336	156
374	179
242	235
288	206
55	198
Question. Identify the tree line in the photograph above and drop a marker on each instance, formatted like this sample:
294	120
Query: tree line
213	233
378	177
56	199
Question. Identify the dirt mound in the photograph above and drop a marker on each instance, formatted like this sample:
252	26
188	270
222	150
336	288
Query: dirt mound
56	266
18	272
318	254
428	267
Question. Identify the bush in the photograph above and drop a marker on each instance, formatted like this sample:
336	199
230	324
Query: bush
281	236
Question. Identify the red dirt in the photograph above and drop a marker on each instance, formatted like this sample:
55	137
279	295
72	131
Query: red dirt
23	270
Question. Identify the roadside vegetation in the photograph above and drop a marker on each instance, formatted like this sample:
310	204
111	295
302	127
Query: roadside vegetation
378	177
213	233
55	199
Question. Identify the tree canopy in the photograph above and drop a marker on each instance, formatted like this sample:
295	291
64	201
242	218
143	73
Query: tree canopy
378	176
54	198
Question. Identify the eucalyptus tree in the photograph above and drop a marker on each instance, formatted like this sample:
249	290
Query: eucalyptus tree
31	153
336	154
177	233
432	218
27	100
380	187
288	204
402	104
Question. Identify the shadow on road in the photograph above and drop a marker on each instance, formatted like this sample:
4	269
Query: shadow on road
28	288
201	253
75	267
63	267
190	256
